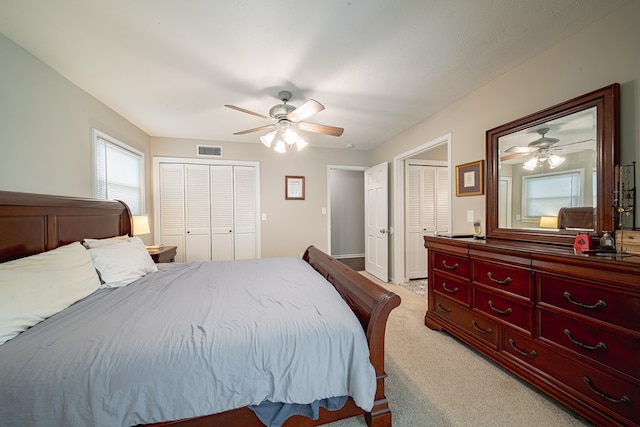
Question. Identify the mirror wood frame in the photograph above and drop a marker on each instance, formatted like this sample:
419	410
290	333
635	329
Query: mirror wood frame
606	100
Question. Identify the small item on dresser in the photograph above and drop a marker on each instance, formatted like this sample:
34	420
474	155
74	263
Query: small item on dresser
606	241
477	229
582	243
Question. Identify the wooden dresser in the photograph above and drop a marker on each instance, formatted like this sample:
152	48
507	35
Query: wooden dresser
568	324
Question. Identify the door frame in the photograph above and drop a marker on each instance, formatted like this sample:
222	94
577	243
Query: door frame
329	169
398	233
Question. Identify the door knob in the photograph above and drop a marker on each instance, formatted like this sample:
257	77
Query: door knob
382	230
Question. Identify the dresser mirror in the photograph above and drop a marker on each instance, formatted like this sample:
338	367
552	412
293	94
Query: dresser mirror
550	175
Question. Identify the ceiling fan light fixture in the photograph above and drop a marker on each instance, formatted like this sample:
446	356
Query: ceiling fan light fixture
530	164
280	146
555	161
301	143
267	138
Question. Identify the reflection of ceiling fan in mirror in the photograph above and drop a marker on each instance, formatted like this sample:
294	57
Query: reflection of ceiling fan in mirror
539	151
287	119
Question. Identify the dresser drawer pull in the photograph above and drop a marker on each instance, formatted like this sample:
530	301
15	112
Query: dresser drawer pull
600	305
623	399
600	346
450	267
506	312
445	309
531	354
499	282
479	329
451	291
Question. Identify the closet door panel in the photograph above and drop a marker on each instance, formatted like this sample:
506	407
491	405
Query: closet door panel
245	212
222	227
172	215
197	209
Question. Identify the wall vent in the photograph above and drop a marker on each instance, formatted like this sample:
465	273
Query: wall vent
210	150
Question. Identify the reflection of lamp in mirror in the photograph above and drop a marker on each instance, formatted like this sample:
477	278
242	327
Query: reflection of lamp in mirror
548	222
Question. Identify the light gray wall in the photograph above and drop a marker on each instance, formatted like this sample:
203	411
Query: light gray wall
347	212
603	53
46	127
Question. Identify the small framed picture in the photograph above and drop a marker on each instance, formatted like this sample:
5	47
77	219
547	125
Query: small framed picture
469	179
294	187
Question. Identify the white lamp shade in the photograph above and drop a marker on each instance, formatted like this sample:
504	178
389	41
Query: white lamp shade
141	225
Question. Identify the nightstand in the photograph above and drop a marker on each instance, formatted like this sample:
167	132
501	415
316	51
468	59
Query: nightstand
163	254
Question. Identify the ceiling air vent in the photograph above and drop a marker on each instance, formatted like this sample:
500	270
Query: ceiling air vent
210	150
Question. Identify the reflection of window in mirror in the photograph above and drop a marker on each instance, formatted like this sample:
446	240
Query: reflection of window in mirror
544	195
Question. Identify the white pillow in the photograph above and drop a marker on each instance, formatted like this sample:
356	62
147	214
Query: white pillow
39	286
122	262
94	243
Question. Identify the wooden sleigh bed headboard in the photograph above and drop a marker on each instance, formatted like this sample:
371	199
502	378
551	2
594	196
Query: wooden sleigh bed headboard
34	223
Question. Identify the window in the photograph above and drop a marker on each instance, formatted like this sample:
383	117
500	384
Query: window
119	172
544	195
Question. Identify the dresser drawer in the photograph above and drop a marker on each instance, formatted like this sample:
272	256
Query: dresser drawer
620	351
452	264
507	278
619	397
478	326
579	297
453	288
516	314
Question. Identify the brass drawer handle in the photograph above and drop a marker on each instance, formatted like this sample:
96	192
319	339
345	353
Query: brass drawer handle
451	291
504	282
600	305
450	267
531	354
600	346
479	329
507	312
446	310
623	399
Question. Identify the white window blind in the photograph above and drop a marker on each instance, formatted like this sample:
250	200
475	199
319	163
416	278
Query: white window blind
119	172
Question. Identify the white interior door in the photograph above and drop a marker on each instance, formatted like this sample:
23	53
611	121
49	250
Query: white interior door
376	187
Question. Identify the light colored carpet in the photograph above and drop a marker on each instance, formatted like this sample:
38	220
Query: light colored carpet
435	380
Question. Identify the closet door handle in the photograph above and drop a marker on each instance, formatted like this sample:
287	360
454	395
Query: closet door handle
600	346
504	282
600	305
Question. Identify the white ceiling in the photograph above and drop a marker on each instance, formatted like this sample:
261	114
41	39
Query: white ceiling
378	66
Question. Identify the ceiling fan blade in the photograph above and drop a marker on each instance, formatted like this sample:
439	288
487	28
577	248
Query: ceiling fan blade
324	129
265	127
233	107
513	156
517	149
308	109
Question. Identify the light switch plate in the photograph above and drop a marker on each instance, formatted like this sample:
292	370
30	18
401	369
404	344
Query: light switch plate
470	216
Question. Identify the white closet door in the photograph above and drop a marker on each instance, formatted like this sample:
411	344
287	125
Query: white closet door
222	245
245	212
413	221
197	209
442	200
172	216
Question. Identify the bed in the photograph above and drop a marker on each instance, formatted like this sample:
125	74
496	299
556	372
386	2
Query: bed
32	224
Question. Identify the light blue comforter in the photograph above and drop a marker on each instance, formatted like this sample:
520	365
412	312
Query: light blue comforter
188	340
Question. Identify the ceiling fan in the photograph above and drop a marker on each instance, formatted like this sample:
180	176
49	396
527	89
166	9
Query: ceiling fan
287	117
544	143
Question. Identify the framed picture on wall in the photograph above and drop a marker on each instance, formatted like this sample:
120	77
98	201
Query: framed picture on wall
294	187
469	179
